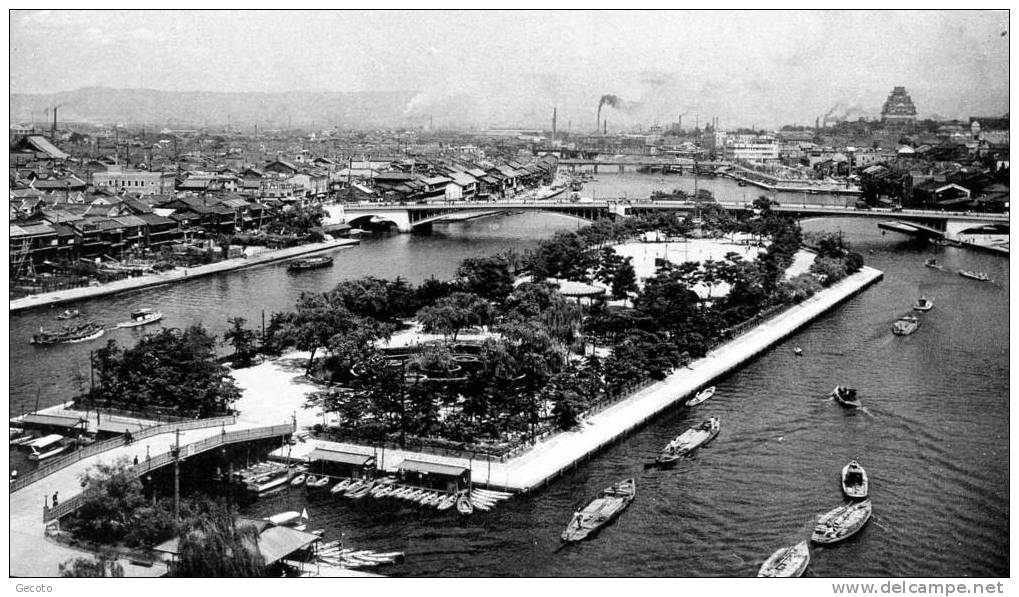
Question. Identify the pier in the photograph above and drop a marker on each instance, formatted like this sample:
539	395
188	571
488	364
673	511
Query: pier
173	276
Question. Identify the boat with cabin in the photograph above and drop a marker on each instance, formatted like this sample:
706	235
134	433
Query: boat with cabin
701	396
310	263
688	441
854	481
46	447
788	562
604	508
905	325
978	276
923	304
846	396
268	482
842	522
141	317
932	263
73	334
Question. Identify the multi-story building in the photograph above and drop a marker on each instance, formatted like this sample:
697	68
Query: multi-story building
136	181
899	109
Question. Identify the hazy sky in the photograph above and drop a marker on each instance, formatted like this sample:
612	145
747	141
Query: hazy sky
766	68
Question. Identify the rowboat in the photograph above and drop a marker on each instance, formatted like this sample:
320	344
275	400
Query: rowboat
788	562
932	263
464	505
481	505
68	314
609	504
268	482
447	502
360	492
854	481
141	317
298	480
701	396
923	304
846	397
310	480
842	522
688	441
342	485
321	482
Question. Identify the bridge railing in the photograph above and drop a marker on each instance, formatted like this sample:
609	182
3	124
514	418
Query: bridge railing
97	448
161	460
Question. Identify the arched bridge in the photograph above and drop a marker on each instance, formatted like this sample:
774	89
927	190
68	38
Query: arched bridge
408	217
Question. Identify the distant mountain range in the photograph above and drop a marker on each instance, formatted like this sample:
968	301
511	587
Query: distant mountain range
184	109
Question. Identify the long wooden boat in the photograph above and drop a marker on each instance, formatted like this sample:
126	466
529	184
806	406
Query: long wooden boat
701	396
609	504
269	482
854	481
846	397
309	263
788	562
978	276
842	522
688	441
85	332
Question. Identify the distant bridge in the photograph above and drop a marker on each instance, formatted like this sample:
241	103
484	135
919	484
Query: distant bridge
408	217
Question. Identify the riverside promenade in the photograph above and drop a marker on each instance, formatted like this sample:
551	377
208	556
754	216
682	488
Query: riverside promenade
172	276
274	382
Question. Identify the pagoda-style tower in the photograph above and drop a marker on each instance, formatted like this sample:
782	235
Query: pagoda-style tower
899	108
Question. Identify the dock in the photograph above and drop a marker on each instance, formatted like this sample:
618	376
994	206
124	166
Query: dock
176	275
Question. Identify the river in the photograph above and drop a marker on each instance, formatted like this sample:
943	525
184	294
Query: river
933	435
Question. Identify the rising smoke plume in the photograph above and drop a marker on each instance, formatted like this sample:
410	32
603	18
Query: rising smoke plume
612	101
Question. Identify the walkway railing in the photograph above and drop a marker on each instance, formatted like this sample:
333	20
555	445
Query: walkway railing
97	448
161	460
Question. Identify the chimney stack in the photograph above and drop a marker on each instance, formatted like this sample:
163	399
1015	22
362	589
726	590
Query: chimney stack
553	124
680	123
605	129
53	131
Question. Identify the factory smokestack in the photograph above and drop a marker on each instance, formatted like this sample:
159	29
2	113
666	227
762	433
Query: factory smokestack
605	130
553	124
680	125
612	101
53	130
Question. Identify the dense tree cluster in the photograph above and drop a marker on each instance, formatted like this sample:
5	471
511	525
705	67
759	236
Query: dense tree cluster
173	371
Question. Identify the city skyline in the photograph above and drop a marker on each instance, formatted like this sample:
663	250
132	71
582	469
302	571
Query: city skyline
760	69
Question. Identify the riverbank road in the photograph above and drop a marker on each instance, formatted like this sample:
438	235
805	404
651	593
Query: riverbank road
179	274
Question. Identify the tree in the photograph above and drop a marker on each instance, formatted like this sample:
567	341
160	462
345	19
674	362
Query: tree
216	545
565	255
828	270
242	339
451	314
625	279
488	277
101	566
541	304
111	494
317	320
854	262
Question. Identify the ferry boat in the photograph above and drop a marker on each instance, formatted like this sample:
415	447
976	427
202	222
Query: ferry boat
46	447
906	325
141	317
688	441
609	504
978	276
923	304
842	522
309	263
788	562
84	332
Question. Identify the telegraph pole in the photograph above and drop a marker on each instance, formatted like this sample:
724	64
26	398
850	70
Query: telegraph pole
176	477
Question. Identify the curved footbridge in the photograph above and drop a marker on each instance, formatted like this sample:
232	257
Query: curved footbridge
33	554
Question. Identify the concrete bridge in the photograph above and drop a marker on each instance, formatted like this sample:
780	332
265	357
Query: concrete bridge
672	164
409	217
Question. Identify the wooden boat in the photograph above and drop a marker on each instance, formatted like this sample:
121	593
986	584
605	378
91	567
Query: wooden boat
906	325
932	263
286	519
268	482
309	263
298	480
854	481
480	504
341	486
798	351
141	317
69	314
978	276
464	505
609	504
701	396
84	332
846	396
310	481
688	441
923	304
321	482
842	522
359	492
447	502
788	562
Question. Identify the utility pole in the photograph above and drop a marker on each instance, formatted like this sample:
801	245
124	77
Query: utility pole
176	477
